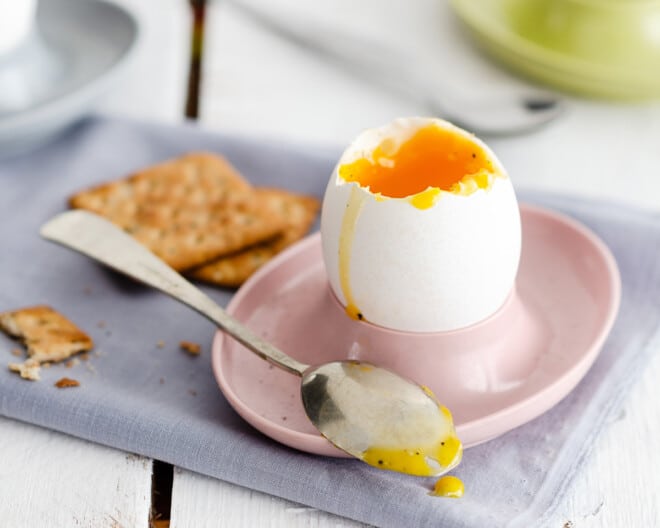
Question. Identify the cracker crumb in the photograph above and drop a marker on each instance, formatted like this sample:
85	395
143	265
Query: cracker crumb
46	365
193	349
71	363
16	352
84	356
65	383
160	344
28	370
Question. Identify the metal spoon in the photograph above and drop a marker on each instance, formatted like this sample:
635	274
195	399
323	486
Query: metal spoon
397	72
355	405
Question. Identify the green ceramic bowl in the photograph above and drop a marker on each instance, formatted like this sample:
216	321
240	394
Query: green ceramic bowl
603	48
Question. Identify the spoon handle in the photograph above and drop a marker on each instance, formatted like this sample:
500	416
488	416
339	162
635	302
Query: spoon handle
101	240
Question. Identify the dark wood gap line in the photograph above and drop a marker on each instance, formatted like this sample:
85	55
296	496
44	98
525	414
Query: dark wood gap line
162	479
198	10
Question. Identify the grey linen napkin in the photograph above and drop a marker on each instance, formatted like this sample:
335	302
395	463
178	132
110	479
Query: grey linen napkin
162	403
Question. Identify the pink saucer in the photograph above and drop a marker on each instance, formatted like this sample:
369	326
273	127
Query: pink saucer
494	376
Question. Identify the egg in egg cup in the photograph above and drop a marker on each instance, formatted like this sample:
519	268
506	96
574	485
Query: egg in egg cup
420	228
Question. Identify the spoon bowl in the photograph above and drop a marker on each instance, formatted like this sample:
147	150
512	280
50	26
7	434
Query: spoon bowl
368	411
392	411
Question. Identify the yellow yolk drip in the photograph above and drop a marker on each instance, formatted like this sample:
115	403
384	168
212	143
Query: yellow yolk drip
449	486
428	392
353	208
434	159
446	412
425	199
415	461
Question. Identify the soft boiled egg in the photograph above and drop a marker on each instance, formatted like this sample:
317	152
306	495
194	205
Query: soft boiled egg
420	228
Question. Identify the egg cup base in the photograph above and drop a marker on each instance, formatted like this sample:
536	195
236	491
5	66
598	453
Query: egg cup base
493	376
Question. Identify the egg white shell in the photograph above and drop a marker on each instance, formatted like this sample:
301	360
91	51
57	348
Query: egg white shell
424	270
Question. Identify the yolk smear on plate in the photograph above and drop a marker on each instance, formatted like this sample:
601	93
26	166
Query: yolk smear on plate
434	159
449	486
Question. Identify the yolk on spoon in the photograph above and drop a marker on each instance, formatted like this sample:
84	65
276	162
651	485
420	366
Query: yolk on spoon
415	461
444	454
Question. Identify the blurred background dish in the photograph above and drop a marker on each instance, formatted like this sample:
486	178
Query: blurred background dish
75	52
16	20
599	48
407	74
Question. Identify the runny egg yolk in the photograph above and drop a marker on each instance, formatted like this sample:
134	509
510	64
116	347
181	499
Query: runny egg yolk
415	461
448	486
432	160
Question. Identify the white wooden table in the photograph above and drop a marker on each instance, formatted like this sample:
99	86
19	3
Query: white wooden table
256	84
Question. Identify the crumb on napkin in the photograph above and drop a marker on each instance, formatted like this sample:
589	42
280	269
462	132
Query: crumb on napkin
193	349
65	383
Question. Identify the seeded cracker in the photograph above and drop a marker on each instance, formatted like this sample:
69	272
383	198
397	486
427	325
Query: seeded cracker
47	334
297	211
188	211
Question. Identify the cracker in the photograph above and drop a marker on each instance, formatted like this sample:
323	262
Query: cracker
297	211
188	211
47	334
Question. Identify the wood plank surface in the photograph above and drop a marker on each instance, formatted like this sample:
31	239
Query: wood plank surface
621	484
55	480
203	502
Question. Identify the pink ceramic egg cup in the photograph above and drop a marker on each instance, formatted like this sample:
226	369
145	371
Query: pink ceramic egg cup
494	376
